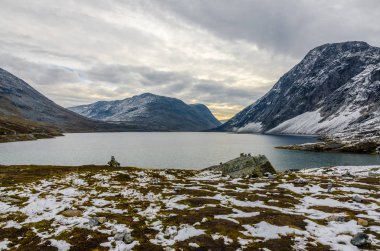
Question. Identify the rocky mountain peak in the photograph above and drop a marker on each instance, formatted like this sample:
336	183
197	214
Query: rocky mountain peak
332	89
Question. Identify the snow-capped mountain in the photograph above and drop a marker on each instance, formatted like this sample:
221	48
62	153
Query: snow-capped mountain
153	112
335	88
21	103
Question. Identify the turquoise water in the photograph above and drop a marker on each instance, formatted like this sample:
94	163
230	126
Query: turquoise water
188	150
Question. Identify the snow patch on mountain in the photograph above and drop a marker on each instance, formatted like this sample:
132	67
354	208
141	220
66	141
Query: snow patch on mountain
250	128
314	123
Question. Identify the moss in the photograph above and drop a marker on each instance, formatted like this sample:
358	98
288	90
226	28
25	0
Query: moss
122	178
83	239
223	227
276	218
198	202
25	239
205	243
193	216
284	243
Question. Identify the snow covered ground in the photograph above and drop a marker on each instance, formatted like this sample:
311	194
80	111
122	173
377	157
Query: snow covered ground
85	209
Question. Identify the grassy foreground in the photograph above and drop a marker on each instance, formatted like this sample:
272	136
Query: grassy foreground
182	210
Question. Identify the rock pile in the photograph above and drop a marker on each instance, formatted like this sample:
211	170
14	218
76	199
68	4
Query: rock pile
246	165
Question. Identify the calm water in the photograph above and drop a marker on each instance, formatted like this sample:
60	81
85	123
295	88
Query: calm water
170	150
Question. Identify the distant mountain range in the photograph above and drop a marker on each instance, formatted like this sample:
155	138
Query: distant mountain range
152	113
335	88
25	111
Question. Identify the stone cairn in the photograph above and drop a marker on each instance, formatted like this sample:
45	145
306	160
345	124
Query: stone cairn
113	162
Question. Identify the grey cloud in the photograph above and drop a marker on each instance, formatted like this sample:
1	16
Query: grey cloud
38	74
287	26
64	86
225	53
175	84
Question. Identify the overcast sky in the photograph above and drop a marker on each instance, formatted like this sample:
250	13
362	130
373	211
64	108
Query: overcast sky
222	53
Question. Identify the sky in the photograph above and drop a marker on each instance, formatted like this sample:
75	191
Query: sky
223	53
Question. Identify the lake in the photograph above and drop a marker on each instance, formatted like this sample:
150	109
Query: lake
187	150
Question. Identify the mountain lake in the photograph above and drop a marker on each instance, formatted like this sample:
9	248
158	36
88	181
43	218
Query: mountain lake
178	150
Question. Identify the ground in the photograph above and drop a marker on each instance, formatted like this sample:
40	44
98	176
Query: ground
185	210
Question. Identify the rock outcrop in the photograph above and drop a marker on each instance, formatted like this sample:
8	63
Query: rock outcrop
245	165
356	142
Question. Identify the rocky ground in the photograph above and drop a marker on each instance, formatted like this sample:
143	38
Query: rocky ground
102	208
365	141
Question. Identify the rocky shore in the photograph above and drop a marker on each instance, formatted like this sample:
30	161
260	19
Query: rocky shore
122	208
367	142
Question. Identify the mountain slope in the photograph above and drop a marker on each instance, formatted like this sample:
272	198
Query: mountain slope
20	102
155	113
335	88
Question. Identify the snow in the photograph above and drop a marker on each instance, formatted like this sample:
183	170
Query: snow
250	128
302	190
187	232
5	208
313	123
269	231
336	234
119	245
61	245
193	245
4	244
172	235
364	171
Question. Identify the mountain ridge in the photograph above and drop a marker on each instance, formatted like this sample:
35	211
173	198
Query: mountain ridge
332	90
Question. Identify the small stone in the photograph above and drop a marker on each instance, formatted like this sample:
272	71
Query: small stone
336	218
357	198
93	222
72	213
125	236
329	187
301	181
360	239
362	222
119	236
128	239
101	220
347	174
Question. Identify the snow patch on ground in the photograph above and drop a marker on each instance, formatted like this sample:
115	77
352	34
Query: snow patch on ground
269	231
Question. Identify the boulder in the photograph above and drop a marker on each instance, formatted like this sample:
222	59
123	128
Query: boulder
72	213
357	198
362	222
245	165
360	239
101	220
337	218
125	236
93	222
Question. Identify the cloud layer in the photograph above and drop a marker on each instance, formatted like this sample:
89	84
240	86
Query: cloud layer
222	53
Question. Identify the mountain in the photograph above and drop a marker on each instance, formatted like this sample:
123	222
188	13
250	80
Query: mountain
23	110
334	89
152	113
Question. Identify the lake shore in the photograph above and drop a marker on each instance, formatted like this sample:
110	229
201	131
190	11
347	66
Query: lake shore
364	143
104	208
